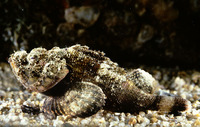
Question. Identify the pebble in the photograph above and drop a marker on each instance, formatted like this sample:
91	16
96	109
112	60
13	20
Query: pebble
2	93
24	121
57	122
132	121
154	120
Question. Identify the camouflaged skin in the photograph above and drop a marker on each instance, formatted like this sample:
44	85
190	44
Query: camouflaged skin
79	82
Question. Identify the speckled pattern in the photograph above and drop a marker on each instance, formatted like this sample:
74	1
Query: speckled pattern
79	82
182	83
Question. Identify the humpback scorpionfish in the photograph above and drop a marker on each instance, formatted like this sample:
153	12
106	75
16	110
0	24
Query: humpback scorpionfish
78	82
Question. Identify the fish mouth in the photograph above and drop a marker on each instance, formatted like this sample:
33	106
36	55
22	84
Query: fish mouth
40	75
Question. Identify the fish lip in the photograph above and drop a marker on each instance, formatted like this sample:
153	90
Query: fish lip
34	87
54	82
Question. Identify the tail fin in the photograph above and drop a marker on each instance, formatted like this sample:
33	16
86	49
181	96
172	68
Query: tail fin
168	104
141	88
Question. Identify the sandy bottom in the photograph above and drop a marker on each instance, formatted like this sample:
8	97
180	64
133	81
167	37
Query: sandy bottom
172	80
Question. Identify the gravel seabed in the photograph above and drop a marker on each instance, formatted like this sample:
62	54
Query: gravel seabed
181	83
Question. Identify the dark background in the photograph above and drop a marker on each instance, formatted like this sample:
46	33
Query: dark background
130	32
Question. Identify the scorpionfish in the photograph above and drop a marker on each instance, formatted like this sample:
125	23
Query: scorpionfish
78	82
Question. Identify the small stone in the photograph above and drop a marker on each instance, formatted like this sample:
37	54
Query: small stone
172	124
117	113
121	124
140	119
113	123
165	124
58	122
18	110
142	113
24	121
122	117
132	121
154	120
196	123
60	118
84	122
2	93
197	115
18	101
